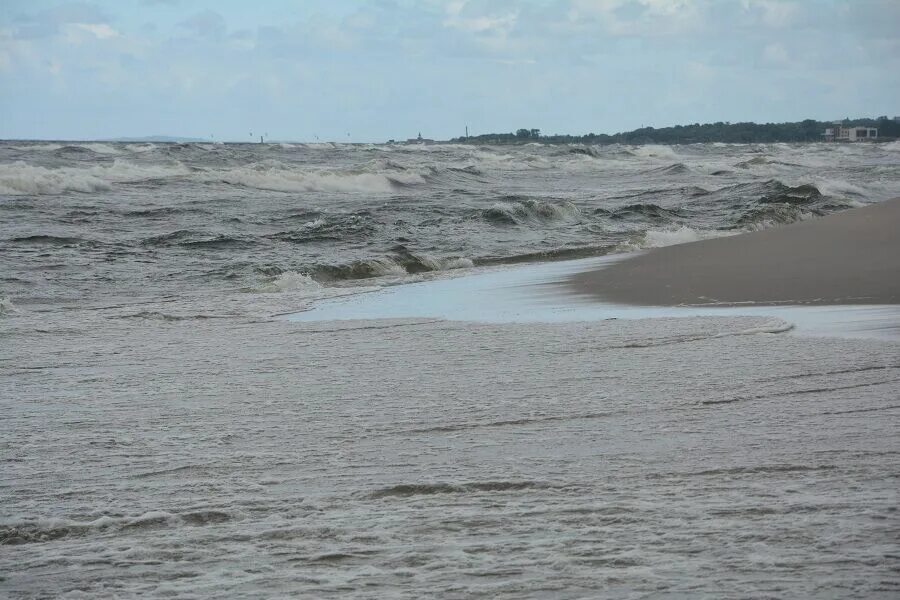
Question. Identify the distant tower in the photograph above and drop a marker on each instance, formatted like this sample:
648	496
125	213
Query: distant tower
420	136
467	132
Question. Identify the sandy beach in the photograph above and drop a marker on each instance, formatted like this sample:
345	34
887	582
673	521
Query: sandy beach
851	257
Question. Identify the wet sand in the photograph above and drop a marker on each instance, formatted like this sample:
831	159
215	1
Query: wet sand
851	257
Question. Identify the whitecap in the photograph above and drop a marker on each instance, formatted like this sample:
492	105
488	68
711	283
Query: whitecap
660	238
281	179
6	306
290	281
20	178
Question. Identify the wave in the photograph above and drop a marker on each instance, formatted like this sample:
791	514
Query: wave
361	269
427	489
519	211
163	212
770	216
44	530
20	178
660	238
50	240
654	151
356	226
40	147
100	148
152	315
556	254
753	162
400	263
6	306
195	239
839	188
281	179
584	151
673	169
652	212
290	281
781	193
413	262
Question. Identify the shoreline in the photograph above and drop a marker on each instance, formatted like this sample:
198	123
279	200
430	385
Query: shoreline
847	258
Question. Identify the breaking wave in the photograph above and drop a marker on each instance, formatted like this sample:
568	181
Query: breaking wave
282	179
290	281
20	178
518	211
659	238
652	212
44	530
654	151
673	169
400	262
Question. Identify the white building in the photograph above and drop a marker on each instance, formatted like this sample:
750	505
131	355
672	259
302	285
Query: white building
850	134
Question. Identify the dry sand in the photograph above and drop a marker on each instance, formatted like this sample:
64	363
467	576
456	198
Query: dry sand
851	257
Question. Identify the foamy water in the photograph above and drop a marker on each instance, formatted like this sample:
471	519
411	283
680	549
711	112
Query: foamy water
314	371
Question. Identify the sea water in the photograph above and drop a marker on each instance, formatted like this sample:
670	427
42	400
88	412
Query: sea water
252	371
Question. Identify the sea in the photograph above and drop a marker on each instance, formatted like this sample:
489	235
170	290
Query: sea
199	400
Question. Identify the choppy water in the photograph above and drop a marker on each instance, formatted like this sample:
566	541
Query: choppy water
85	222
164	435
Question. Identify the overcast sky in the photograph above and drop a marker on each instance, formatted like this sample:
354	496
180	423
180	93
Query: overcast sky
383	69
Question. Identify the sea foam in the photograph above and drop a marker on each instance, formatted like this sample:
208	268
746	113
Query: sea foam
20	178
289	180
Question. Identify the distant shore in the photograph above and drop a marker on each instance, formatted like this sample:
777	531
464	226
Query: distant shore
851	257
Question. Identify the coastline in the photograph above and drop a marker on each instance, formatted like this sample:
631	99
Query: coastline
852	257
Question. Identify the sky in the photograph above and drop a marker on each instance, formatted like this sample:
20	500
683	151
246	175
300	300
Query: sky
373	70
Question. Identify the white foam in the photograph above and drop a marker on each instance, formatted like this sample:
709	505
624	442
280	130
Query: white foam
281	179
39	147
660	238
20	178
100	148
655	151
291	281
445	264
456	263
385	266
839	188
6	306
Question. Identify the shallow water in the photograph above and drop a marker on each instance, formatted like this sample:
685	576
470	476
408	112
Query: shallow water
185	417
424	457
540	294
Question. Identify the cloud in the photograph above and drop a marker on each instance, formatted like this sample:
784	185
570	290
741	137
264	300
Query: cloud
52	21
206	24
101	31
472	22
774	13
638	17
378	65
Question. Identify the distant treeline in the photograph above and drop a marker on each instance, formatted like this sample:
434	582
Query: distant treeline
734	133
